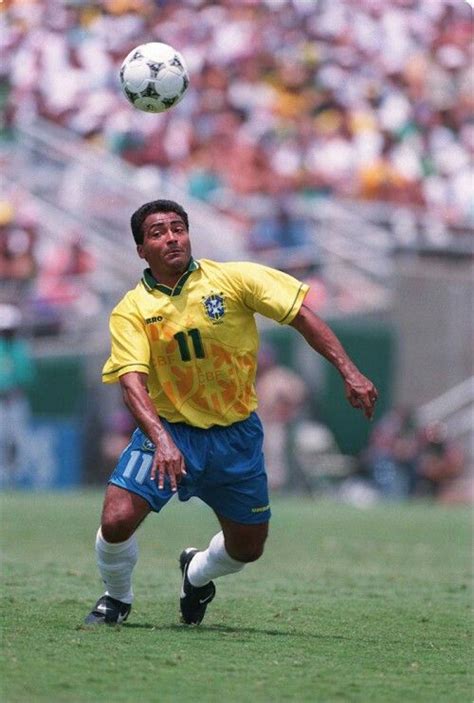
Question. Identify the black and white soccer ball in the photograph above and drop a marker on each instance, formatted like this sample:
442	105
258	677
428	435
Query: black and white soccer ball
154	77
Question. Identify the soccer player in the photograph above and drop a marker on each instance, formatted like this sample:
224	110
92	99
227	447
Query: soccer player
184	347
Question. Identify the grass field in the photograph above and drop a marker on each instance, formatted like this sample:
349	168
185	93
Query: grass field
346	605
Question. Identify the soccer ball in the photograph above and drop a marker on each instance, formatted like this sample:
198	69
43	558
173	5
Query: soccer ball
154	77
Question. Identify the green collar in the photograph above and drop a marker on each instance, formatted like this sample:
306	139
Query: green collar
150	282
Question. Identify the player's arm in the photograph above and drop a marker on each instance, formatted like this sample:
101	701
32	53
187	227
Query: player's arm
360	391
167	460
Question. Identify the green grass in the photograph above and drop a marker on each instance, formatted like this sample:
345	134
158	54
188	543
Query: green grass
346	605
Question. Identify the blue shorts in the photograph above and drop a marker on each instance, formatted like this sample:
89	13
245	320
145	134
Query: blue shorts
225	468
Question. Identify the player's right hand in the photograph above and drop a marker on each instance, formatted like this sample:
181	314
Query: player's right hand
167	462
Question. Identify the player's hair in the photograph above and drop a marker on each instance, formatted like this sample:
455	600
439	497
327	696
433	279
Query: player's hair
140	215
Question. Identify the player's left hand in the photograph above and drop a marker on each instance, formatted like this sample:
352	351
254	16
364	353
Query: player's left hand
361	393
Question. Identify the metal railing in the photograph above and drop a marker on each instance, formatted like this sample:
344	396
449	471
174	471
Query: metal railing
75	181
450	402
454	408
101	190
78	181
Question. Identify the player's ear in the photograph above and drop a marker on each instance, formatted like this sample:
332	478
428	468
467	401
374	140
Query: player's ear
140	251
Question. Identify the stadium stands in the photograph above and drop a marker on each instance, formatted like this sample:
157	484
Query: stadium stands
352	99
346	129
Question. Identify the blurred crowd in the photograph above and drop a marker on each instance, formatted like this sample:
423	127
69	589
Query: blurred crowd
358	99
406	458
355	98
46	280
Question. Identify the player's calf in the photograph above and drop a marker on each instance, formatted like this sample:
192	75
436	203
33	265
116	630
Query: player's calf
244	543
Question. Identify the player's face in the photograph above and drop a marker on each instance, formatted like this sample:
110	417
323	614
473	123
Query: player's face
166	244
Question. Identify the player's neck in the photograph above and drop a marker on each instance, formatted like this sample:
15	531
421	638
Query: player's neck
167	278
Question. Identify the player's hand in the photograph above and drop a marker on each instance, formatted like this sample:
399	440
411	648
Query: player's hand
167	461
361	393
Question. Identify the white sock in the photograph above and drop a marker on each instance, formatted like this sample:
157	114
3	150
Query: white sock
116	562
212	563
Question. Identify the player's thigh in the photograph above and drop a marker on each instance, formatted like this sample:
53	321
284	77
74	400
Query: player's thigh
122	513
243	542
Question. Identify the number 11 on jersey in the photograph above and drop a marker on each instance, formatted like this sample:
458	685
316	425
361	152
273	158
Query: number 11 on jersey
184	347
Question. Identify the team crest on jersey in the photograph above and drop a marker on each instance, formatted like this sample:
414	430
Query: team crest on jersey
147	445
214	305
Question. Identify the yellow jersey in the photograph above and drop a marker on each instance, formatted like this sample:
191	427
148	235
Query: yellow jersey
198	341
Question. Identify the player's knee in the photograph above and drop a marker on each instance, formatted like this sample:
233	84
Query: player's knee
251	553
117	527
247	551
122	513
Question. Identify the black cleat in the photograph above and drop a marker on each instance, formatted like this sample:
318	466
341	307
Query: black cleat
193	599
108	611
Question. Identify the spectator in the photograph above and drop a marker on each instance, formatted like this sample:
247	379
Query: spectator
404	459
6	219
63	270
281	394
115	438
391	458
279	230
440	462
63	285
16	374
18	264
382	179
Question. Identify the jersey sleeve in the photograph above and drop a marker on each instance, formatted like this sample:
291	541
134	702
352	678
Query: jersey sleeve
272	293
130	347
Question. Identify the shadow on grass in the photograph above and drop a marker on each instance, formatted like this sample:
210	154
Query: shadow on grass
228	630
